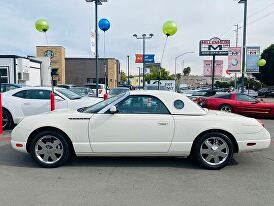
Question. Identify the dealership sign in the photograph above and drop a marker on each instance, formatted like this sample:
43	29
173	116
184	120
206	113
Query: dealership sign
149	58
214	47
208	67
169	84
234	59
252	57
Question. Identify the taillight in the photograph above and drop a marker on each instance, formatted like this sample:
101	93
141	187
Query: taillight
261	122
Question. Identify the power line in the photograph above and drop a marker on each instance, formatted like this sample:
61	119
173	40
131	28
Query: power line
261	18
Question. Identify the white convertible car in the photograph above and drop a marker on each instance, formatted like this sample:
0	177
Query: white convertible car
27	101
141	123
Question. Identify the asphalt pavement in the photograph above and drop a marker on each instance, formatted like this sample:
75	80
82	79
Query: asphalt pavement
248	180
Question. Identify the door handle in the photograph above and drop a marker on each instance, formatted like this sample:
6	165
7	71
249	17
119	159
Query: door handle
26	103
162	123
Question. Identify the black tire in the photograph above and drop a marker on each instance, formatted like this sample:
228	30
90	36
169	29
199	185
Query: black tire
201	159
9	121
226	108
66	147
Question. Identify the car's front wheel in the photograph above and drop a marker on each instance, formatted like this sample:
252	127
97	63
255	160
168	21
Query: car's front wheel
50	149
213	150
226	108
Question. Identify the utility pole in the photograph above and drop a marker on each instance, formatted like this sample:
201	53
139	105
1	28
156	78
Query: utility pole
244	42
236	44
128	81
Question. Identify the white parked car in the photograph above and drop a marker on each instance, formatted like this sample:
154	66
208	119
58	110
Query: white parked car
140	123
27	101
101	89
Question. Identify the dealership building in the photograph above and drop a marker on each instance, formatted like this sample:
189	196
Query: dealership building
80	71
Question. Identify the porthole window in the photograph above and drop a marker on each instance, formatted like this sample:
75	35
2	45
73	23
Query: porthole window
179	104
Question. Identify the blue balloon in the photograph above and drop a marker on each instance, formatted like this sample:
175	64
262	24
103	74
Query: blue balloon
104	24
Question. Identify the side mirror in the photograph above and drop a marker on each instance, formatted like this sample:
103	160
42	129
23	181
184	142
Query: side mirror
113	110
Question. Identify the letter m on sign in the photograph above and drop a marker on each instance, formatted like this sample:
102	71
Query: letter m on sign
218	47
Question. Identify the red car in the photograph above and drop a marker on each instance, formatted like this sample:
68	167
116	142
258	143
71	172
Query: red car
239	103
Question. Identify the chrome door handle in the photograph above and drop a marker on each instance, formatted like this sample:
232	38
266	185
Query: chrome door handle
162	123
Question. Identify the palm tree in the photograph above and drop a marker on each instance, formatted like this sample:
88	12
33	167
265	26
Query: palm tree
187	71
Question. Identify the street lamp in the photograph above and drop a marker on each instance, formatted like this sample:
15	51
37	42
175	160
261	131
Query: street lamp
176	58
128	81
144	37
97	2
139	68
244	42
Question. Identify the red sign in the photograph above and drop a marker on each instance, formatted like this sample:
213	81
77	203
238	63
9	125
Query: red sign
139	58
214	46
208	67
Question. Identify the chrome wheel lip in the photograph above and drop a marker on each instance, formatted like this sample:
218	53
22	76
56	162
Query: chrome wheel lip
49	149
218	151
226	108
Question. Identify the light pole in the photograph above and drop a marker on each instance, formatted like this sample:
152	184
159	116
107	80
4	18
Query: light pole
244	42
176	58
139	69
144	37
128	81
97	2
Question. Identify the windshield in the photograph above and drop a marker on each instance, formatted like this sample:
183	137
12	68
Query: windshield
99	106
81	91
69	94
118	91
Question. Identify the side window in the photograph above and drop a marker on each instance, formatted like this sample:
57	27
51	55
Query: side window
20	94
245	98
142	105
37	94
225	96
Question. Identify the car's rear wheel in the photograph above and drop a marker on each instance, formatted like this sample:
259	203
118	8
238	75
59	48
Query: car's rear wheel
7	121
226	108
50	149
213	150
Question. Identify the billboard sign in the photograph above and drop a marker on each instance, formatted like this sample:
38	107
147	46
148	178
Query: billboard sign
208	67
169	84
253	55
214	46
234	59
149	58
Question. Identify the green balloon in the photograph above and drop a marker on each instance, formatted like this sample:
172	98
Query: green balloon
41	25
169	28
261	62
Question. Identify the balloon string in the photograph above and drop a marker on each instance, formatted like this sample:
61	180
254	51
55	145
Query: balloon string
105	66
46	38
164	50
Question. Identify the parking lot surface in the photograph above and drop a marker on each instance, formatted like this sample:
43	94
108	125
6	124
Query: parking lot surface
248	180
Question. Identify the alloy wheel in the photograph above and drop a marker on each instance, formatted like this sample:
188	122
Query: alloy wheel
226	108
214	151
49	149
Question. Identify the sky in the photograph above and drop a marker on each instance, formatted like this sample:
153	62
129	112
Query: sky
71	21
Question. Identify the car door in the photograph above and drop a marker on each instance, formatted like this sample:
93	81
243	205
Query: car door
143	124
34	101
248	105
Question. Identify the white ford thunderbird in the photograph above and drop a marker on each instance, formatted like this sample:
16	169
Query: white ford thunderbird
141	123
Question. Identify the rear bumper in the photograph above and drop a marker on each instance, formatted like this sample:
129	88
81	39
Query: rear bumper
254	142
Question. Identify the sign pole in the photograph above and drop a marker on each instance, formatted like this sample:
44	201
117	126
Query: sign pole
213	72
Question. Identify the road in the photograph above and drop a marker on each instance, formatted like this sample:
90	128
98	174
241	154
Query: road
248	180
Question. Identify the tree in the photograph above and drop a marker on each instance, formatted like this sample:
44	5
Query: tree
123	77
187	71
156	75
266	74
178	76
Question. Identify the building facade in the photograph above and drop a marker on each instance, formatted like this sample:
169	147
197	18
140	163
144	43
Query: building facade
80	71
197	81
28	71
57	56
